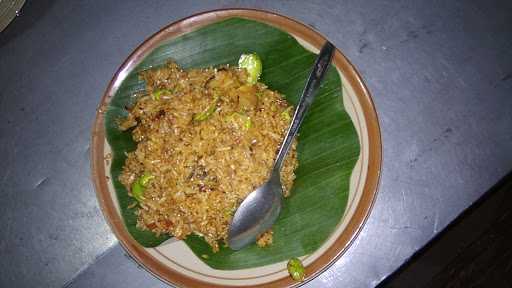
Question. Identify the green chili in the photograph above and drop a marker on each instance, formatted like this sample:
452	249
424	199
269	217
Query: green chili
139	185
252	63
286	113
247	123
201	116
157	93
296	269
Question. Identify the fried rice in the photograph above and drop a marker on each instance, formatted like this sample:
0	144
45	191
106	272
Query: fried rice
208	138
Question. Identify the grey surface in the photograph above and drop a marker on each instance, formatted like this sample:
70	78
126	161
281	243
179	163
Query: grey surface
440	73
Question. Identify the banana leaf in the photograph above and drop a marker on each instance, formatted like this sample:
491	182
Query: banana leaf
327	151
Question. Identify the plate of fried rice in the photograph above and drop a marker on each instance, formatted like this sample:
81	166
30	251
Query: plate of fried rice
187	129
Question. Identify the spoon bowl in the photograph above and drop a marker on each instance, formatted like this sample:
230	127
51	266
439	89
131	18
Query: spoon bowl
256	214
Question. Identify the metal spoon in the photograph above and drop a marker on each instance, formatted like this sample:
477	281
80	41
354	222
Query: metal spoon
260	209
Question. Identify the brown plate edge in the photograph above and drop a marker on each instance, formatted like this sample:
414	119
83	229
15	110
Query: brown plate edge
293	27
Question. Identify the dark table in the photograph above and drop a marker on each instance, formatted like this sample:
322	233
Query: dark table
440	73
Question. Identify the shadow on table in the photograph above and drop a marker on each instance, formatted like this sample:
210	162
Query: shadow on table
30	13
473	251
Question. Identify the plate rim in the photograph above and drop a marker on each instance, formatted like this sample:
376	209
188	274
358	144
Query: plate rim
290	26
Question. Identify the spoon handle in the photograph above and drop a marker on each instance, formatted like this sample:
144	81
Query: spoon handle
308	94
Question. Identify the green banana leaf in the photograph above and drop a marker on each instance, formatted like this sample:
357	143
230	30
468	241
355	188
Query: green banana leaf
328	144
